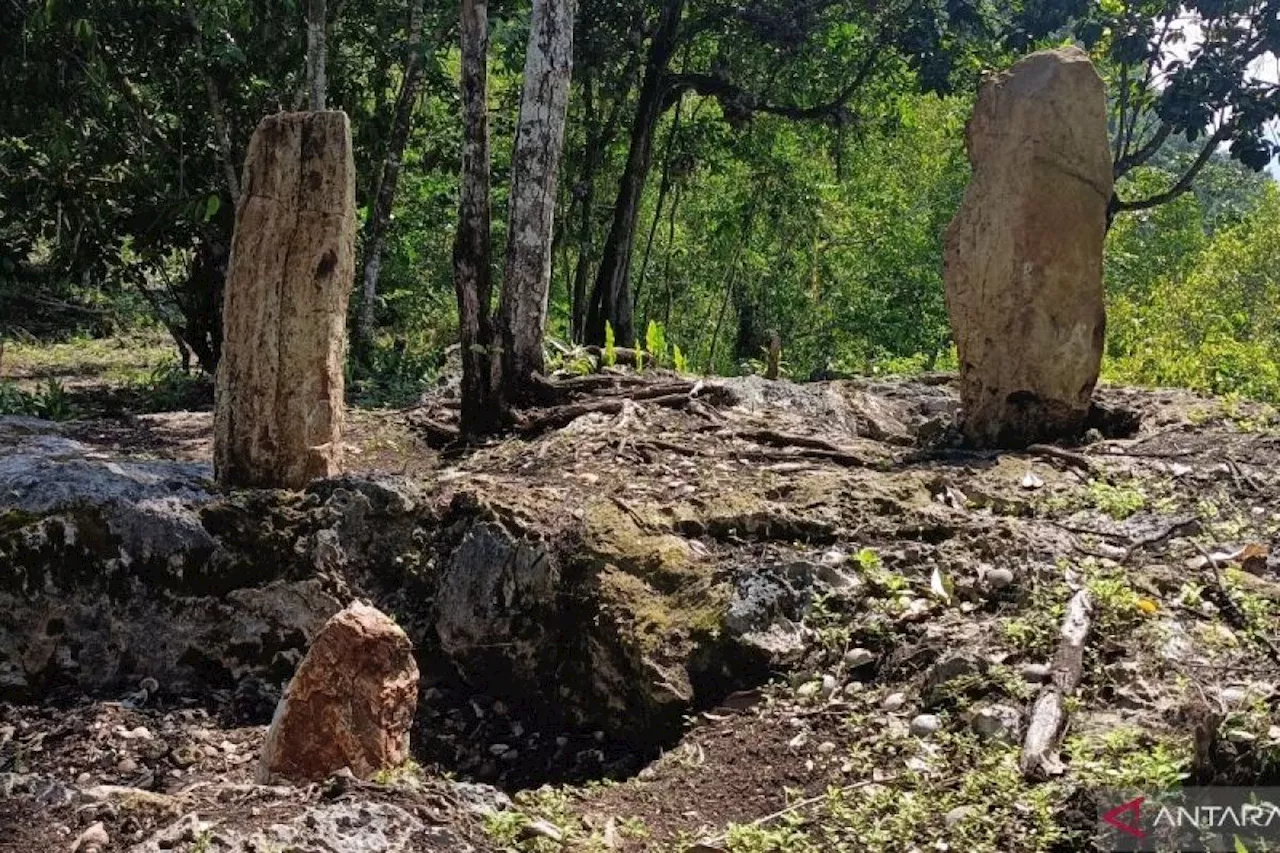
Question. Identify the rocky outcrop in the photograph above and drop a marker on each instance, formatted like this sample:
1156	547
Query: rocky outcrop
1024	253
280	381
640	586
350	704
116	569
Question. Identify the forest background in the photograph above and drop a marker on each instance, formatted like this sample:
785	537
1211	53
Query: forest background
731	171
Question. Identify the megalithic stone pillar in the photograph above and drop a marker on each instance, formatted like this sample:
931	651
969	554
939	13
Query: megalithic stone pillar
1023	264
279	414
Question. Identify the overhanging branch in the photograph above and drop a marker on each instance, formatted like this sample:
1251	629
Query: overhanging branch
1184	183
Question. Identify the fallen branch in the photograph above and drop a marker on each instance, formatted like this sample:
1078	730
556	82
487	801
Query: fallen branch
1180	526
1048	721
1068	458
1229	607
560	416
435	433
807	447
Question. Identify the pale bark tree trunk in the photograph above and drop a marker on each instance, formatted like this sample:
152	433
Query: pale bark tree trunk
611	298
385	194
481	411
535	166
316	17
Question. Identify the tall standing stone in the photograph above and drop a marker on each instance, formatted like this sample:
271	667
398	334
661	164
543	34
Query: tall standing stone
280	382
1024	254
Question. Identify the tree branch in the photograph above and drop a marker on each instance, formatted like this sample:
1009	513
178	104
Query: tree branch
1185	182
1127	162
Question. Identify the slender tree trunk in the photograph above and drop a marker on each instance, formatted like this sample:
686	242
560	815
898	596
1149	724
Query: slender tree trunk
598	139
587	191
663	187
668	253
730	285
316	18
481	411
217	112
385	194
535	167
611	298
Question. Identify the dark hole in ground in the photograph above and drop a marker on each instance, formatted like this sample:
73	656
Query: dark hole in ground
523	743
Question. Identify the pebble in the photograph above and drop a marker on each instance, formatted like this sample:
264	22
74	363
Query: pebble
996	722
92	840
996	579
826	747
1034	672
498	748
829	685
1233	697
799	740
894	702
562	741
140	733
855	658
127	765
956	815
925	725
541	829
809	689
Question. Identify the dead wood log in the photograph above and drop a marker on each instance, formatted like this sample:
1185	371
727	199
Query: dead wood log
622	355
1048	719
1071	460
809	447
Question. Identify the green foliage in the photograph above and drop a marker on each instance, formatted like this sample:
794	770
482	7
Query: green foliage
15	401
115	209
49	400
1119	502
394	374
610	349
167	387
1210	323
678	361
655	342
1126	757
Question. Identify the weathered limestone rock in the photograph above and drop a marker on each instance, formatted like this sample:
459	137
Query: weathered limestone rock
1024	253
280	384
350	704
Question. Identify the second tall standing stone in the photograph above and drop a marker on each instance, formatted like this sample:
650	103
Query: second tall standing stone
1024	253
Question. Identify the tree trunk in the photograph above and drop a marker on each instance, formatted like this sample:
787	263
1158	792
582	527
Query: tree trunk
586	189
535	167
663	187
385	195
611	298
278	420
316	17
217	113
481	412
